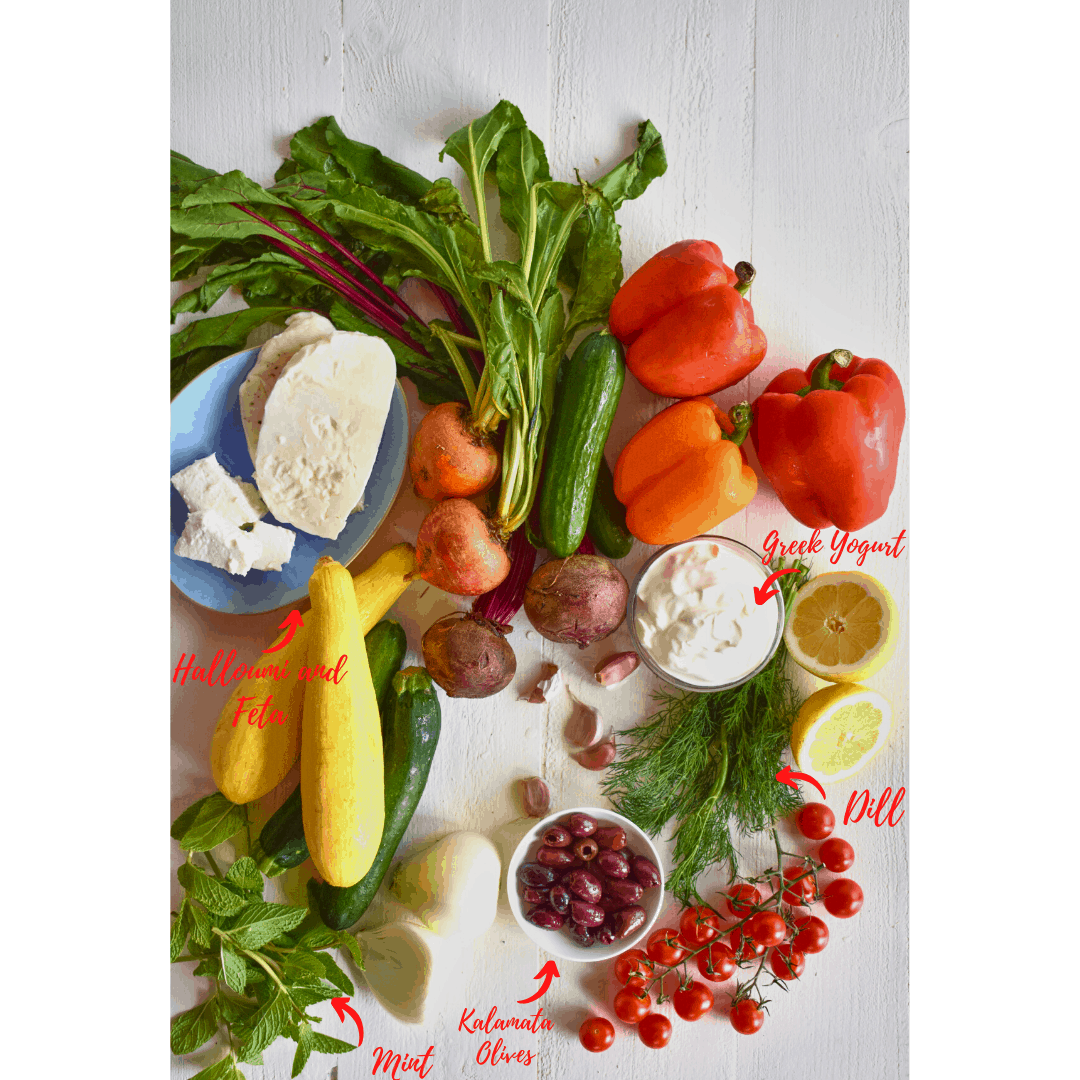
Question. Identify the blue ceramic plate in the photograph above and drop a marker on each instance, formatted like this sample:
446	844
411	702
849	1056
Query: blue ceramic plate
206	420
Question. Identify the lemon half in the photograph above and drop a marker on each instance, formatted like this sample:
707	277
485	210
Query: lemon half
839	730
843	626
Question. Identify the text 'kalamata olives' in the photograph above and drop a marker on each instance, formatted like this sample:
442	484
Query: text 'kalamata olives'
534	896
581	825
586	914
644	872
584	885
626	892
546	917
555	856
613	864
536	875
557	836
627	921
586	848
560	899
612	837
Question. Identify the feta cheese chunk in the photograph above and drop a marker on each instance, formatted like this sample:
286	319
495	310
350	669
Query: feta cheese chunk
205	485
321	430
277	544
209	537
303	328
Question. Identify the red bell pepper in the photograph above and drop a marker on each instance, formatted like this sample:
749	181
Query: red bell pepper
828	439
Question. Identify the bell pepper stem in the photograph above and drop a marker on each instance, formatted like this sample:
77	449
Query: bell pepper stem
742	416
820	380
745	273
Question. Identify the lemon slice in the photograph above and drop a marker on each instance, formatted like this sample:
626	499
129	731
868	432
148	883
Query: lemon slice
843	626
838	730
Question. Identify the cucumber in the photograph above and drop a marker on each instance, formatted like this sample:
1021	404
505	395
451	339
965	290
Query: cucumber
281	844
587	395
607	517
407	753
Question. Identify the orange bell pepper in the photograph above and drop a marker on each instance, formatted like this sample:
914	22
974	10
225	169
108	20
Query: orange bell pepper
685	471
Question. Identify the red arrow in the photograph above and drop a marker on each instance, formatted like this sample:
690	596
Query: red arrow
548	972
293	621
341	1007
764	594
786	776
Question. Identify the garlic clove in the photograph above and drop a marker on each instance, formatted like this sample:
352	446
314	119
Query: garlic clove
549	684
598	756
584	727
535	796
617	667
406	967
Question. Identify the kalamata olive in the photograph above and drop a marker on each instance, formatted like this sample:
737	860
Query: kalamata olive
612	837
584	885
555	856
626	892
605	934
546	917
644	872
557	836
581	825
611	903
533	895
560	899
586	848
586	914
613	864
534	874
582	934
627	921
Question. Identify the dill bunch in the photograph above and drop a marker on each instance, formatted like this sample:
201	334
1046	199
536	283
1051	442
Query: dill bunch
709	762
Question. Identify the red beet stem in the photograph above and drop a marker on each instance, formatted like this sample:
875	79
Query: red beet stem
505	601
586	547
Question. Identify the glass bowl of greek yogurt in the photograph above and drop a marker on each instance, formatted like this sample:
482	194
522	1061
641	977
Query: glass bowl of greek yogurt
694	619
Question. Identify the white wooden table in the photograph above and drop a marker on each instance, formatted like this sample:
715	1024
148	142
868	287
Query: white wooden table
785	127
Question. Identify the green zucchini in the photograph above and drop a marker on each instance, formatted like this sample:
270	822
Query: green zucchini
607	517
281	844
407	754
586	398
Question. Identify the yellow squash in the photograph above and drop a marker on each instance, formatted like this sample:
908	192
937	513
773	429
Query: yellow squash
246	762
341	758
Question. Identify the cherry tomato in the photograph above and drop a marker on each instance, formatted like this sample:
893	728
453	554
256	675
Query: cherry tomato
632	1004
633	964
787	964
720	958
801	894
746	1017
634	981
741	898
843	898
836	854
655	1030
698	925
665	946
816	821
766	928
812	935
744	950
596	1034
692	1002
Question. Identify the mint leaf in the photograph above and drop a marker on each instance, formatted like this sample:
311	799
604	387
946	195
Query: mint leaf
304	1045
201	932
326	1044
245	873
262	922
351	945
233	968
302	966
214	821
320	936
209	891
192	1028
209	968
235	1010
312	995
178	933
262	1028
332	973
225	1069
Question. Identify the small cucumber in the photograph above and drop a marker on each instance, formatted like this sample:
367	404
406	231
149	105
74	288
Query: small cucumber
607	517
408	750
281	844
587	395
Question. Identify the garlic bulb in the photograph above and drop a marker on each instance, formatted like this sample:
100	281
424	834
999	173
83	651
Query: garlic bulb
405	966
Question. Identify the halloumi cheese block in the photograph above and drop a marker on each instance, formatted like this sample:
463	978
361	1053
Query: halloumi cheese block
277	544
303	328
321	430
210	537
205	485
